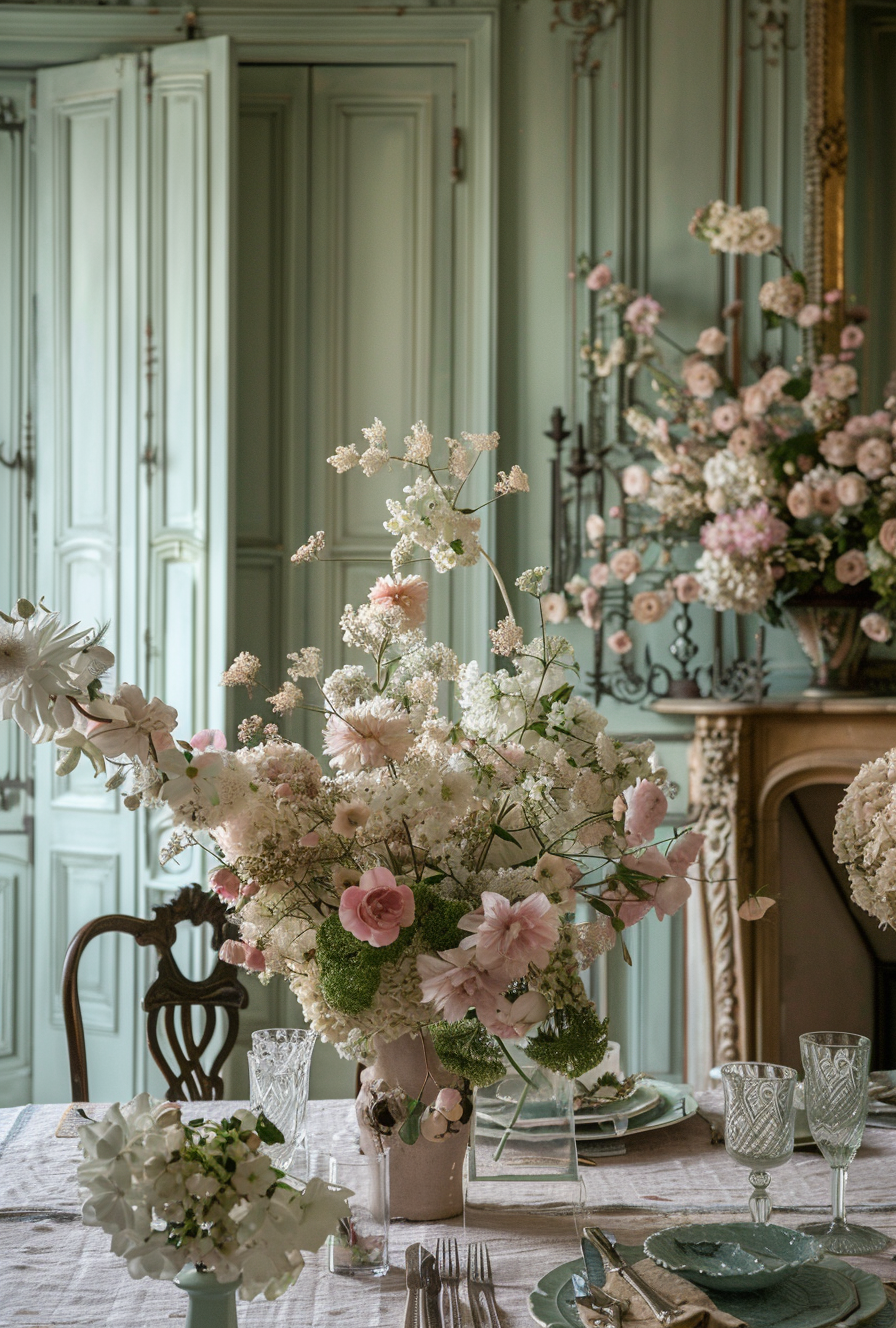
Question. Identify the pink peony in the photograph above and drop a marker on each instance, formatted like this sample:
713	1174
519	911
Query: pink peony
453	983
851	567
874	458
643	314
886	536
376	909
647	806
839	449
852	490
225	883
799	501
367	736
599	277
509	937
407	594
620	643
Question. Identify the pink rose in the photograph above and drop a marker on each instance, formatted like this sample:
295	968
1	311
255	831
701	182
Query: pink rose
554	607
874	458
852	490
225	883
876	627
825	500
647	805
599	575
599	277
595	527
700	378
620	643
636	481
809	315
686	587
799	501
886	536
376	909
851	567
711	341
839	449
727	416
625	565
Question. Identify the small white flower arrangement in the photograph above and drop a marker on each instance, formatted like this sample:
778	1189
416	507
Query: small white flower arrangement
172	1193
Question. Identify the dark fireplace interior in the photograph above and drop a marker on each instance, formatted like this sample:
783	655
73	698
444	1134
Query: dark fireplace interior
838	966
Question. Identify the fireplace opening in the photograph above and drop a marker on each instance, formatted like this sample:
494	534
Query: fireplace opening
837	966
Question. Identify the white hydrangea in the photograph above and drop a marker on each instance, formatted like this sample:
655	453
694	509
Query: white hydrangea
865	837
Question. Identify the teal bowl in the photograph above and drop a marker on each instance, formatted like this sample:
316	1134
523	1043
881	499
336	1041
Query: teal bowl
733	1256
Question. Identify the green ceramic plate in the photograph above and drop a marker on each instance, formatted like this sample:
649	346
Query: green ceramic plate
675	1104
814	1298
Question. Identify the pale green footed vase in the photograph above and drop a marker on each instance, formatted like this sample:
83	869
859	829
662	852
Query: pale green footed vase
212	1303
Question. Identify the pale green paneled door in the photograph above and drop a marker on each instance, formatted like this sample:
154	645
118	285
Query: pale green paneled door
345	311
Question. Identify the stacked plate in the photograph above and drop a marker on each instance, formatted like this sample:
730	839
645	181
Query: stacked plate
651	1104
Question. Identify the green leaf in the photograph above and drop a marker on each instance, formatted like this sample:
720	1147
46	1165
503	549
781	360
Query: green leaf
457	545
267	1131
500	833
410	1130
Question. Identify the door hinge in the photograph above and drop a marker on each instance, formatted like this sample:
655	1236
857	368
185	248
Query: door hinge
457	143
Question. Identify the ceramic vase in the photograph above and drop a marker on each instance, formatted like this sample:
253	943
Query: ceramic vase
827	628
425	1178
212	1303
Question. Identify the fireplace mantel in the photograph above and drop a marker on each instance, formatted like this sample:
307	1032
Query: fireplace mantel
745	759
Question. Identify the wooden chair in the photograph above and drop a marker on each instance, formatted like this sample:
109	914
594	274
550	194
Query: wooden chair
169	992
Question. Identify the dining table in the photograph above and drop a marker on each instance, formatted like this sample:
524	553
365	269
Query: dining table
56	1272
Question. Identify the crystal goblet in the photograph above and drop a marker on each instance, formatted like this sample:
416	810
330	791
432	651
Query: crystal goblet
759	1117
836	1066
279	1067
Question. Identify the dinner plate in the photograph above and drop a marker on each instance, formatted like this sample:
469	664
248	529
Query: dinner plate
552	1303
642	1099
676	1103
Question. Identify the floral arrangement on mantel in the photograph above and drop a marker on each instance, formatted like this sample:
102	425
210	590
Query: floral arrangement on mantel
781	491
431	879
172	1193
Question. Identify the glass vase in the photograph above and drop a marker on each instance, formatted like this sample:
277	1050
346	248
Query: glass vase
279	1067
361	1245
212	1303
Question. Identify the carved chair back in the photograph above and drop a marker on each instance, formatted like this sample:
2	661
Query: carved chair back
170	994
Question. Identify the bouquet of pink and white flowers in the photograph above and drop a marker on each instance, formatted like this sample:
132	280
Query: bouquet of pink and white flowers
430	877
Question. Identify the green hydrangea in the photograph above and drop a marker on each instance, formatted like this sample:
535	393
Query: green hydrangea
467	1050
573	1041
349	969
436	918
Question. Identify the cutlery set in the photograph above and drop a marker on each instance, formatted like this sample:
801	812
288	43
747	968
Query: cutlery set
603	1308
433	1286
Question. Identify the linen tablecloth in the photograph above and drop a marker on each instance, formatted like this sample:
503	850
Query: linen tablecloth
55	1272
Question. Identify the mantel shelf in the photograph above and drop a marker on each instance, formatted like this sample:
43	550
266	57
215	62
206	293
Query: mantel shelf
783	705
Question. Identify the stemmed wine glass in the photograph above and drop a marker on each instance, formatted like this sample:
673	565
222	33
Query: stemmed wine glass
836	1066
759	1119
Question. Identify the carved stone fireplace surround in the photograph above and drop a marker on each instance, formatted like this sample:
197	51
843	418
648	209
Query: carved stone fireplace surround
745	759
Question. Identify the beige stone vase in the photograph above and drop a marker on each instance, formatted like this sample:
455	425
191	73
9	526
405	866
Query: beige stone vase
425	1178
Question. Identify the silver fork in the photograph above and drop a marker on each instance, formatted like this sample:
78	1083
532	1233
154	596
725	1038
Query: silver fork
481	1286
448	1256
413	1317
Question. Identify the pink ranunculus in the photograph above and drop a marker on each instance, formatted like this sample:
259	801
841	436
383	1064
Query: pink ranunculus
599	277
700	378
509	937
876	627
683	853
839	448
886	536
825	499
225	883
620	643
647	806
453	983
376	909
205	738
852	490
408	594
851	567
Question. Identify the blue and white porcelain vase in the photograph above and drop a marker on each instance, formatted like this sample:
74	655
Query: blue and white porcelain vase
212	1303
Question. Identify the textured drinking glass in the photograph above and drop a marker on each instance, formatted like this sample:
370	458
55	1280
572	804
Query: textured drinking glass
759	1117
279	1064
836	1066
361	1244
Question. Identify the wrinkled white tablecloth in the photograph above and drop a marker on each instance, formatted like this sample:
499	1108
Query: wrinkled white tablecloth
55	1272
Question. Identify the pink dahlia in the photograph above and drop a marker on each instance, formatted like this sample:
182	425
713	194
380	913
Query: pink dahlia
408	594
509	937
367	736
452	982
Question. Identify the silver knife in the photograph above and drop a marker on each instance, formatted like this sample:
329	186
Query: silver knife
413	1317
662	1310
595	1301
432	1287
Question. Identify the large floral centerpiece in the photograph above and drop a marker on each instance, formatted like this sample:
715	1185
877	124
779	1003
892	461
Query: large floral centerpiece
749	496
865	838
430	877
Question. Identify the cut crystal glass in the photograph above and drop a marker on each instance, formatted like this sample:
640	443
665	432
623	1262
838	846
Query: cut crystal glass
759	1120
279	1066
